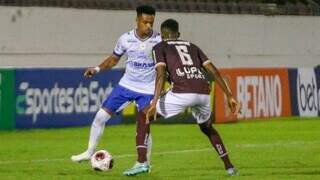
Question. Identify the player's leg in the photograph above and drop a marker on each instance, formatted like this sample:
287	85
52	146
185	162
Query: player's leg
169	105
114	101
218	145
203	115
96	131
97	128
143	138
216	142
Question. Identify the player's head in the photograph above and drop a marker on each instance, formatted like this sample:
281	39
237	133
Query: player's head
170	29
145	19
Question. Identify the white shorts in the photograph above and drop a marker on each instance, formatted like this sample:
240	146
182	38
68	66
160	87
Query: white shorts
172	104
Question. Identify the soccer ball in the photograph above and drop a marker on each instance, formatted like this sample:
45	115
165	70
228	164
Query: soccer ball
101	161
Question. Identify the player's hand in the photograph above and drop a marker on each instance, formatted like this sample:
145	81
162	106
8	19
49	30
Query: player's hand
151	111
90	72
234	106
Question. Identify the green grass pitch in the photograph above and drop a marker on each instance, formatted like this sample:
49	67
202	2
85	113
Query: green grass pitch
285	148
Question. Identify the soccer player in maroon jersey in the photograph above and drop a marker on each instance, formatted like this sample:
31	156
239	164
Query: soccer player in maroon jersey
183	63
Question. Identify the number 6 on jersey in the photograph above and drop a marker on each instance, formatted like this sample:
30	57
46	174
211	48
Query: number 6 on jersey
184	55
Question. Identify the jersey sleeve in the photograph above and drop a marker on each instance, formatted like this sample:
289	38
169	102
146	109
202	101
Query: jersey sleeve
120	49
203	57
158	55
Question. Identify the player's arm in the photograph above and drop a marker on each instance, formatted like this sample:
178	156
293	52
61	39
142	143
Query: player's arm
108	63
159	84
213	71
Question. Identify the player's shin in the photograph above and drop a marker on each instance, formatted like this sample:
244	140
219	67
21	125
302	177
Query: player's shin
142	137
97	129
217	143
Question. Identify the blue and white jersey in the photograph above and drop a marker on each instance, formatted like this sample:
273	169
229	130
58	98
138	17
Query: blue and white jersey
140	72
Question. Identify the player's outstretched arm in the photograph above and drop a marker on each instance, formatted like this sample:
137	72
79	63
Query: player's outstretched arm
233	104
108	63
160	79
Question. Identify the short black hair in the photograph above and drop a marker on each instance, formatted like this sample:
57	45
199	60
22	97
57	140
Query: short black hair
170	24
145	9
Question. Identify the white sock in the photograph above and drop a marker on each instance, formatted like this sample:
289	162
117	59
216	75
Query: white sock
97	128
149	148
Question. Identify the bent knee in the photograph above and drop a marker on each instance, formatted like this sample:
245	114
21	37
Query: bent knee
102	116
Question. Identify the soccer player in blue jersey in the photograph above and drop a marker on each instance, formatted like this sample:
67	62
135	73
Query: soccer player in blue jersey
184	63
136	85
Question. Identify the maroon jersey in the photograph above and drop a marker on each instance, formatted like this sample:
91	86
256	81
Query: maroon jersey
184	62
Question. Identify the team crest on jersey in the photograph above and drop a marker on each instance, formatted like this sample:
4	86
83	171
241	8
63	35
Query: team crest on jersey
142	46
153	41
132	41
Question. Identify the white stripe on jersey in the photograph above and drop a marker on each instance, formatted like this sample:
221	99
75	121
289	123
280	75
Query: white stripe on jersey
206	62
160	64
154	56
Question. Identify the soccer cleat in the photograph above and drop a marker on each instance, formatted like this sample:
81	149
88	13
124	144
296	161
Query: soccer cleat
138	168
81	157
232	172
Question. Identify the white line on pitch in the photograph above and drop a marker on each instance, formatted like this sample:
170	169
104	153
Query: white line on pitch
115	156
278	144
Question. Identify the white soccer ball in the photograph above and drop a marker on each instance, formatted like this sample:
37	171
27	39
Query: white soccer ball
101	161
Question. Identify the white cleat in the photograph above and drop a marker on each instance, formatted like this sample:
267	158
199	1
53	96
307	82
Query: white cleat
85	156
232	172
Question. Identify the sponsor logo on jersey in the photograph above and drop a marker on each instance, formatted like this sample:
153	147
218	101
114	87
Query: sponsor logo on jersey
140	65
190	72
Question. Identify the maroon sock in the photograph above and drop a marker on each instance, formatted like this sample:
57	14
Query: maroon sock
142	135
217	143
